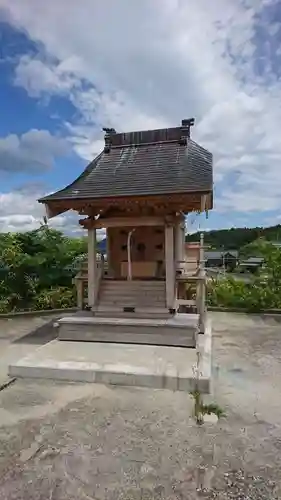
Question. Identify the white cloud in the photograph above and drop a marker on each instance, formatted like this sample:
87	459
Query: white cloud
20	211
31	152
135	65
37	76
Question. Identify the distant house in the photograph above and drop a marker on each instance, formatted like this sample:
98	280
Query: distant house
251	264
276	244
220	258
192	250
192	256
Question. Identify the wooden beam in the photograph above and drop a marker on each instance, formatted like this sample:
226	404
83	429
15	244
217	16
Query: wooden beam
129	222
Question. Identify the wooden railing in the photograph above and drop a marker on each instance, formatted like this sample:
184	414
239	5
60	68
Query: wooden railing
81	281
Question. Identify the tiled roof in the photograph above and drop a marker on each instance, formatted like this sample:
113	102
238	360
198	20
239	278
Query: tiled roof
155	162
218	254
252	260
213	255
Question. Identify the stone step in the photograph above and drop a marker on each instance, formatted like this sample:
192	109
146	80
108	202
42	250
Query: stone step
136	281
165	332
134	293
104	310
107	312
122	304
133	289
130	284
127	295
132	298
103	363
132	303
137	294
125	285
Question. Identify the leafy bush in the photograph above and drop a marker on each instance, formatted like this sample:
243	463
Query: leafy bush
55	298
36	269
263	292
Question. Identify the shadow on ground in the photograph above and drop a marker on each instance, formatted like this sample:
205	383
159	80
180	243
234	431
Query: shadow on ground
40	336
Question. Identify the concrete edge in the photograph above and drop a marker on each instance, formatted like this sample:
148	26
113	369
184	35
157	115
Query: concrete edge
43	312
122	375
204	347
263	312
148	380
130	322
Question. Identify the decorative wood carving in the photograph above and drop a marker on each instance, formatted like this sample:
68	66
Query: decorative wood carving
145	206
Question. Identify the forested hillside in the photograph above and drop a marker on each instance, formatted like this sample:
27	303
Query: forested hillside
236	238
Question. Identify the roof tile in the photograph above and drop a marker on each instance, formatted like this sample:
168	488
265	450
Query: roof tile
135	167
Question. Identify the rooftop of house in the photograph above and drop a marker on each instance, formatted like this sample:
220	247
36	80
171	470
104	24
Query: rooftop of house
252	261
219	254
150	162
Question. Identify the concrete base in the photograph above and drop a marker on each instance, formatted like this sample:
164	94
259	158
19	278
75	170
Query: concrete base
120	364
179	330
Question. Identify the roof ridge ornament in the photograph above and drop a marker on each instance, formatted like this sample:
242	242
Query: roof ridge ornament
186	124
109	132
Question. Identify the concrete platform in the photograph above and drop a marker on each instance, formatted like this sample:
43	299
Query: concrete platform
119	364
179	330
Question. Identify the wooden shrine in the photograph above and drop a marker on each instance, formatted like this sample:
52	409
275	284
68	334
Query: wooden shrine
139	189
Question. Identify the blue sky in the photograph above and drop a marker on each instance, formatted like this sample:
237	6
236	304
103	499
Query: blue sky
137	66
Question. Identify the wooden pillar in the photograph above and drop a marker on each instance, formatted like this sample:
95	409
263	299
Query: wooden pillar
107	232
179	242
183	237
92	266
201	288
170	267
80	294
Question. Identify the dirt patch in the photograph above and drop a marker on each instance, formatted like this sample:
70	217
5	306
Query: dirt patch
95	442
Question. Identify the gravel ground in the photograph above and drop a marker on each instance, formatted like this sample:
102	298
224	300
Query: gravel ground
83	441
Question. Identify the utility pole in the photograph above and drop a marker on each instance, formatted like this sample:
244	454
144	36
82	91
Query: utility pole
223	260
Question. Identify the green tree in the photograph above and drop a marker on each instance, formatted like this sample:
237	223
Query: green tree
236	238
263	291
36	268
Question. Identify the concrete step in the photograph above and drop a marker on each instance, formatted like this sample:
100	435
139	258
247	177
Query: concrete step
136	282
126	286
129	293
107	311
121	286
133	298
132	305
130	365
175	331
135	293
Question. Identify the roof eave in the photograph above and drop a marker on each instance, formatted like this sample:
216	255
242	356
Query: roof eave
47	200
53	212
